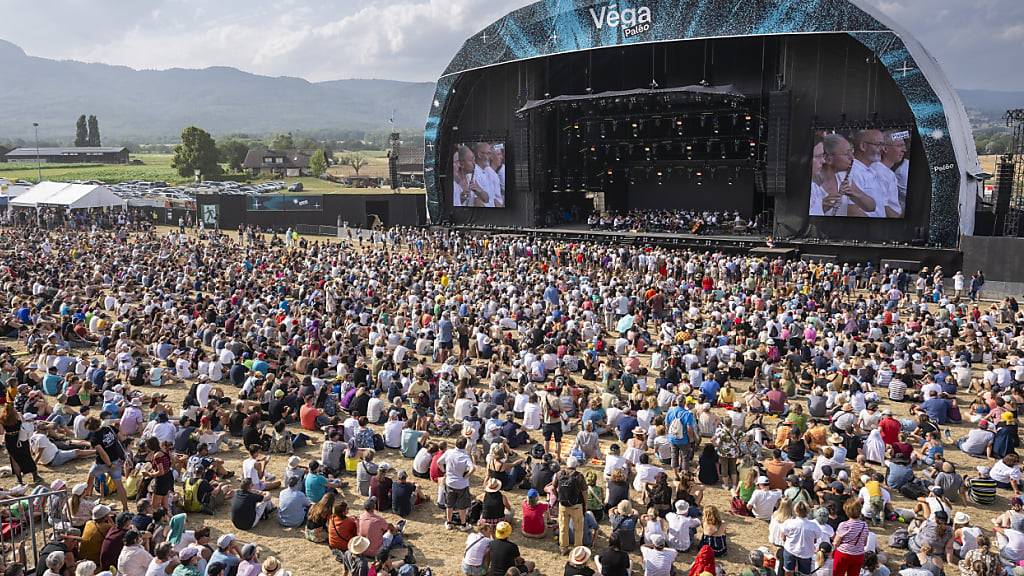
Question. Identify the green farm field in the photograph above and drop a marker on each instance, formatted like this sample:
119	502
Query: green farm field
157	167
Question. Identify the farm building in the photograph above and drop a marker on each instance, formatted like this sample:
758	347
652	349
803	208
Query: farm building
289	163
70	155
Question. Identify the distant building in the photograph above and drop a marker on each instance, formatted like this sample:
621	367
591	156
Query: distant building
283	163
71	155
408	165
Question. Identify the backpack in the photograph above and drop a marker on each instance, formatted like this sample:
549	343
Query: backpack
913	490
104	485
550	411
627	538
476	509
331	405
900	539
676	430
568	489
364	438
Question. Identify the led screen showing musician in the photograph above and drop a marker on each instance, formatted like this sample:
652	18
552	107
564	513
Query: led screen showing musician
478	174
860	173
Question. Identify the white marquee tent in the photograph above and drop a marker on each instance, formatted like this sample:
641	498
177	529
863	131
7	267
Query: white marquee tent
69	196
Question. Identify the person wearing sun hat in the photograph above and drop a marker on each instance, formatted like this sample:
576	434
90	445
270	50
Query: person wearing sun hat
495	505
578	563
505	554
189	566
680	525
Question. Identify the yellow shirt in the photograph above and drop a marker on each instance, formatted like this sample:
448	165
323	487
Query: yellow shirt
874	488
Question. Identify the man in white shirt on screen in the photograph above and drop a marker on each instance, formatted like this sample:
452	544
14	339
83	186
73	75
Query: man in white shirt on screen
894	156
867	150
486	176
498	163
467	190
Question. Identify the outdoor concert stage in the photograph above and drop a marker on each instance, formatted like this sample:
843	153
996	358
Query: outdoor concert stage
898	255
565	108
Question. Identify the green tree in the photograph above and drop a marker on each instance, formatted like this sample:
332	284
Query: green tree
197	151
81	132
306	143
232	152
283	142
356	160
318	163
94	131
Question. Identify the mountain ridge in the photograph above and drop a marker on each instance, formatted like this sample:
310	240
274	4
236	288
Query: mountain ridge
152	106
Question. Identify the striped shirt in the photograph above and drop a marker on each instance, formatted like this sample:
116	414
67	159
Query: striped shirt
897	389
853	537
981	490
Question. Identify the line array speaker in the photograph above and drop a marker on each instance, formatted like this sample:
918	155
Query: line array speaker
777	142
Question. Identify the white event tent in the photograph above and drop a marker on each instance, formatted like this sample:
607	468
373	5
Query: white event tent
68	196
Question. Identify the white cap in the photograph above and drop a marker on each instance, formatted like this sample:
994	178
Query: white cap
225	540
762	480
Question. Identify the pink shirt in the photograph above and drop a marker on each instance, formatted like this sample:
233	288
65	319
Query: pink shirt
372	527
853	537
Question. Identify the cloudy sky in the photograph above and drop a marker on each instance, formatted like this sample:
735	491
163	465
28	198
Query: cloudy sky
978	41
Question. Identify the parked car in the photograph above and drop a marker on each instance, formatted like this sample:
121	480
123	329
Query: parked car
297	187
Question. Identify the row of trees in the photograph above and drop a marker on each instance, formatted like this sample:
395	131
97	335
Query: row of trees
200	151
87	131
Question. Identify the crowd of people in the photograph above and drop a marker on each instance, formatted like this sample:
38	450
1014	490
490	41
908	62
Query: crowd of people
602	396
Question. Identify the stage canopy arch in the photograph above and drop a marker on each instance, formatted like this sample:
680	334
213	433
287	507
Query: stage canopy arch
558	27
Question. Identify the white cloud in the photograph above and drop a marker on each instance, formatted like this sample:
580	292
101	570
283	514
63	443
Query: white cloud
412	39
402	39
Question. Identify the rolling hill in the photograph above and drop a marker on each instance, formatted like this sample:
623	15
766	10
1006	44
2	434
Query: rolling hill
154	105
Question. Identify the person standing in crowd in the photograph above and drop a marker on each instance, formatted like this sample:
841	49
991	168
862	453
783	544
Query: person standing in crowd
571	492
457	466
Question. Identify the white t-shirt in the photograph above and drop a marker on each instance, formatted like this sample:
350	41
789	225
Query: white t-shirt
611	462
456	464
203	394
658	562
645	474
157	568
1013	549
1002	473
475	549
762	502
421	464
679	530
40	441
133	561
799	537
531	416
393	433
374	408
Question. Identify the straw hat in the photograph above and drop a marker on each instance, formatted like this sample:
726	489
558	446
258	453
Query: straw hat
357	545
492	485
835	439
579	556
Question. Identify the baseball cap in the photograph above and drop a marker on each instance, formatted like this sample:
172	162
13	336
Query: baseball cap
188	553
225	540
532	493
762	480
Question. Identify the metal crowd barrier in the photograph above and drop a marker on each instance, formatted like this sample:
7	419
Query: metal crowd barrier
33	521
